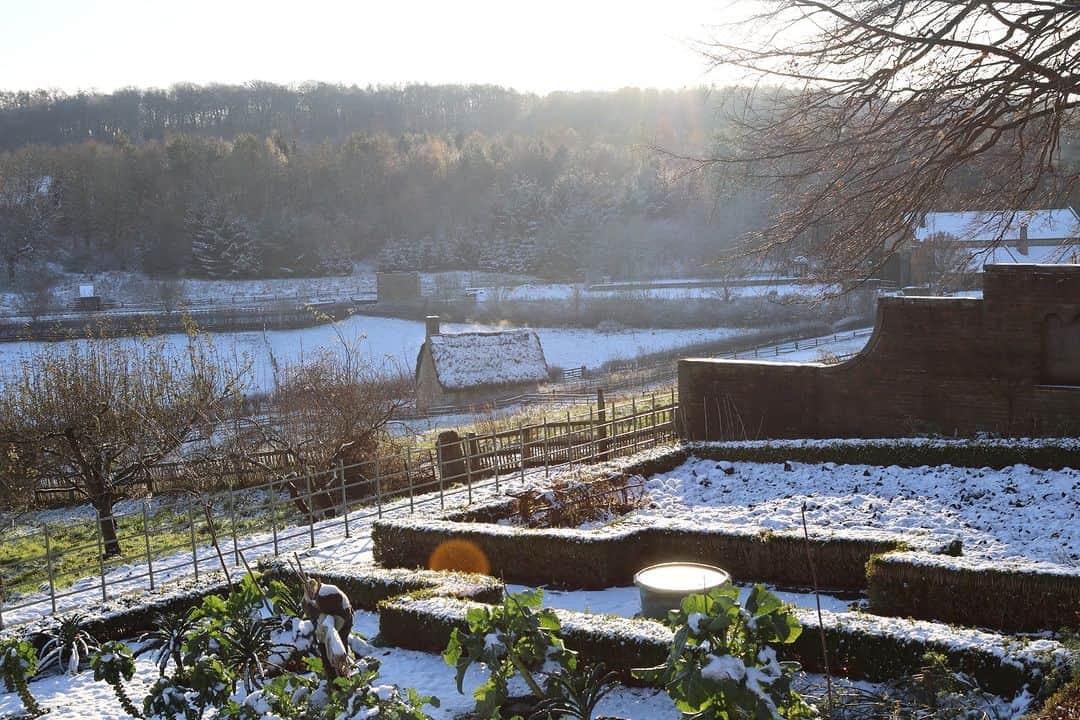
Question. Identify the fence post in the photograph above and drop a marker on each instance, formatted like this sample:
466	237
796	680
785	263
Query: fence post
339	471
378	487
49	565
273	514
592	436
146	538
194	548
547	454
495	457
569	441
310	508
408	476
521	449
634	432
468	467
601	419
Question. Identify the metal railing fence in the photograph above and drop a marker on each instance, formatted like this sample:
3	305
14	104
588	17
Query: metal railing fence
55	567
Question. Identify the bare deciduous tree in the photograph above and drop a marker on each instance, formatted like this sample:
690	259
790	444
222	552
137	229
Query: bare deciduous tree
327	408
869	112
97	414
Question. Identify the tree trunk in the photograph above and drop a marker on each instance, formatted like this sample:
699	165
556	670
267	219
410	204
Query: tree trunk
107	522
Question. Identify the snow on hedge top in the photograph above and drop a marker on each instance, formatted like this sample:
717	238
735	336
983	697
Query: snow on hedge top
465	360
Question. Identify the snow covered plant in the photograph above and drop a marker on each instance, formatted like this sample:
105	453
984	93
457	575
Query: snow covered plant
722	664
67	646
515	637
309	697
18	663
114	664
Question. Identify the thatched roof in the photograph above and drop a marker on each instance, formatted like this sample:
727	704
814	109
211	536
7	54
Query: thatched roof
476	359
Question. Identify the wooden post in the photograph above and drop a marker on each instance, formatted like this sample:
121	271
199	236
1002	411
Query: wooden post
569	441
521	449
495	456
339	471
601	418
547	454
468	468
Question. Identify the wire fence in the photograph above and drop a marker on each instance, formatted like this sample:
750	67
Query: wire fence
82	557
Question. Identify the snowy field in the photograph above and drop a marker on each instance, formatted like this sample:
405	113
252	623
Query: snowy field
1017	515
564	291
391	343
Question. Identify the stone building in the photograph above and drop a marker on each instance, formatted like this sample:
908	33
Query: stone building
1006	363
477	367
964	243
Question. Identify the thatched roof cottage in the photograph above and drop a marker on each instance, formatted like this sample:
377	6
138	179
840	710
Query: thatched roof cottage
475	367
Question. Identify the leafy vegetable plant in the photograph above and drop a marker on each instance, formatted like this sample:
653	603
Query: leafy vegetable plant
722	664
516	637
18	663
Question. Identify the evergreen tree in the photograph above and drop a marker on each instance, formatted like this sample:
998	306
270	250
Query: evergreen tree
222	246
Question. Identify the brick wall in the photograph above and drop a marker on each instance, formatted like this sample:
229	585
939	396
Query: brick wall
1008	363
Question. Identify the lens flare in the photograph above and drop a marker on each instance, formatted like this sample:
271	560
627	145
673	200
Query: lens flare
460	555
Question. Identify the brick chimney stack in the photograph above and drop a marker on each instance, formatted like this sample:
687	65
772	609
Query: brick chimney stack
433	323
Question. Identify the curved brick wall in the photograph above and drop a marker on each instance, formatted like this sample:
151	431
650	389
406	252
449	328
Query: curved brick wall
1008	363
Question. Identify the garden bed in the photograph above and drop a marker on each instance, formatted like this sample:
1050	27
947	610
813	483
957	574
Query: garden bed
860	646
1015	527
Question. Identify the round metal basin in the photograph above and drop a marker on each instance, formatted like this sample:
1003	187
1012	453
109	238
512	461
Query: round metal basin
664	586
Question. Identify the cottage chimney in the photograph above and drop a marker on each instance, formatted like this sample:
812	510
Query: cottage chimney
432	322
1022	246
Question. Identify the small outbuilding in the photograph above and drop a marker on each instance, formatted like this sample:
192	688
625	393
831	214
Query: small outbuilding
475	367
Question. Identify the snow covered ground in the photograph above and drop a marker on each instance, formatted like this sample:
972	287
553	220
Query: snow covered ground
1019	514
391	343
626	601
80	697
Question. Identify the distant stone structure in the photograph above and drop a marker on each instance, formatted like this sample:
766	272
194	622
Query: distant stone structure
397	286
1007	363
475	367
964	243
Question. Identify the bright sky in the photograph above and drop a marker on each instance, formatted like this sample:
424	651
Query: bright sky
537	45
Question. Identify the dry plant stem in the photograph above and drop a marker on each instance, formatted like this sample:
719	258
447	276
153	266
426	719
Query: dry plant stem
817	601
209	513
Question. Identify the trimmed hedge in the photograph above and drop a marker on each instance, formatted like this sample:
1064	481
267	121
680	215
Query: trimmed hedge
860	646
366	587
592	559
1049	454
934	587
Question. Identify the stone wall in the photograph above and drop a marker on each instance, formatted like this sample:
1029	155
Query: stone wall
397	286
1008	363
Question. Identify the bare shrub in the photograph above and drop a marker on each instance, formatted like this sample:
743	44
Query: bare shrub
573	502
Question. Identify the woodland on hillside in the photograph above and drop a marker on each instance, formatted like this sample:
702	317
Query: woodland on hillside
264	180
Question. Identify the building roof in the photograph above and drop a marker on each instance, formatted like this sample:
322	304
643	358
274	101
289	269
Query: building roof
1059	254
993	226
475	359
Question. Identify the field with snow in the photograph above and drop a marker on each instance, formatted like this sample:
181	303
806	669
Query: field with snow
1014	515
391	343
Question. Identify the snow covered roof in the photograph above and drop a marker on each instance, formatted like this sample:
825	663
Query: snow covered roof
473	359
1061	254
1001	225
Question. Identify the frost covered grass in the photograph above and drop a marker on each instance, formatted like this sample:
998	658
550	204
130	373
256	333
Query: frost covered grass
1017	513
169	525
